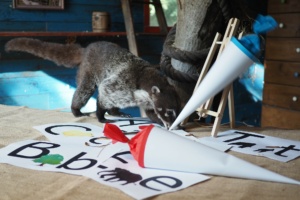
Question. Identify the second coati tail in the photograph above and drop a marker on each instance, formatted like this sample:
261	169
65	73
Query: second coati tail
69	55
121	78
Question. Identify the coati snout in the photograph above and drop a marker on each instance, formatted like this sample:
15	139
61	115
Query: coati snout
166	104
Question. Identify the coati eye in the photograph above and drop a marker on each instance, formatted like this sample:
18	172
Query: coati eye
170	112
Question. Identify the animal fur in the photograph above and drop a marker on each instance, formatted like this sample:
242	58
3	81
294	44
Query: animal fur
122	79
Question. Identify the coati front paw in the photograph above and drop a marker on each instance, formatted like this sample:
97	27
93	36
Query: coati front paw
121	114
78	113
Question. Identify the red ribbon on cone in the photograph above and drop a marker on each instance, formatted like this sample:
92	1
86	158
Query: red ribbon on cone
137	144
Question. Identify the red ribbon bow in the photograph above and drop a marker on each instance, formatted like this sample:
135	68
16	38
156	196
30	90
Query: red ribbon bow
137	144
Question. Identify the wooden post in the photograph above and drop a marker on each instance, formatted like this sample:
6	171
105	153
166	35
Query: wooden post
160	17
129	27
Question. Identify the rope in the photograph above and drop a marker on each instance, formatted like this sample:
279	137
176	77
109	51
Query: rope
169	51
167	68
184	56
225	8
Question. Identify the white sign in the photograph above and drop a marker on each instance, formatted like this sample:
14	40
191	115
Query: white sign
82	149
79	134
261	145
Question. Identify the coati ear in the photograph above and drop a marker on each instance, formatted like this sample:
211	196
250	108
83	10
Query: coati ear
155	90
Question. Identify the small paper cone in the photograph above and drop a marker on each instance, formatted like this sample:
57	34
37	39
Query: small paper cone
233	61
157	148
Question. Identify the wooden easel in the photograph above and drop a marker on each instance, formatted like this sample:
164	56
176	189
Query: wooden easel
203	110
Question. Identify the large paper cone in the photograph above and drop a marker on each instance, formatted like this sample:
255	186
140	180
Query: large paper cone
157	148
233	61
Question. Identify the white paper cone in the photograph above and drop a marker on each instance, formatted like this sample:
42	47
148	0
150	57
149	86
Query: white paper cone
233	61
166	150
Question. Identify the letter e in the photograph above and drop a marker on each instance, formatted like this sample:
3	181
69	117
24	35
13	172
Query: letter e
160	180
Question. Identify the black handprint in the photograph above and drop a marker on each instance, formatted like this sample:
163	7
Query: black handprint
119	174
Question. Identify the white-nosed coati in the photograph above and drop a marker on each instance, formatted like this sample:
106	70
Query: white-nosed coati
123	79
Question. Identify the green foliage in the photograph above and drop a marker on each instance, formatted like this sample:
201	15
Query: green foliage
52	159
170	11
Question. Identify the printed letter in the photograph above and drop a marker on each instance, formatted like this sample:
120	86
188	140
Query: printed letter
49	129
66	165
285	149
159	180
43	148
244	135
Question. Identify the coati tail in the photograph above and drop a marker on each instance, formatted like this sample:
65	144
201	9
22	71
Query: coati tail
68	55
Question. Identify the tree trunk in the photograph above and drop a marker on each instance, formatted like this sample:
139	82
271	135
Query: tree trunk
191	15
197	23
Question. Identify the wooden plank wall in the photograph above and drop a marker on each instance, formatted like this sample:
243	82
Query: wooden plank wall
76	16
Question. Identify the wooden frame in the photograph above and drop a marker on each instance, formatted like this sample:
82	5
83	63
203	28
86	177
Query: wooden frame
39	4
162	23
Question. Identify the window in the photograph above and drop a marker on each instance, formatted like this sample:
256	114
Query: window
170	12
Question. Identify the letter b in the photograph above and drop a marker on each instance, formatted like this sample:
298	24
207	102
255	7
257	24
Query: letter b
43	148
75	159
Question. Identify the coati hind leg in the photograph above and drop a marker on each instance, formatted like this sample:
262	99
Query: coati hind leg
83	93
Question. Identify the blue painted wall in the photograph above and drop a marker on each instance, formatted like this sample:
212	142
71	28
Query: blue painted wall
76	16
31	81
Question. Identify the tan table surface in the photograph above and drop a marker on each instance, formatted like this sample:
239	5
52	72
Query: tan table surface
18	183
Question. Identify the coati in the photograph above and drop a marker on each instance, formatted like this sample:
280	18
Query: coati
122	79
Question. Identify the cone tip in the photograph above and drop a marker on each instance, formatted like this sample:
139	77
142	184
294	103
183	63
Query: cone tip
173	125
